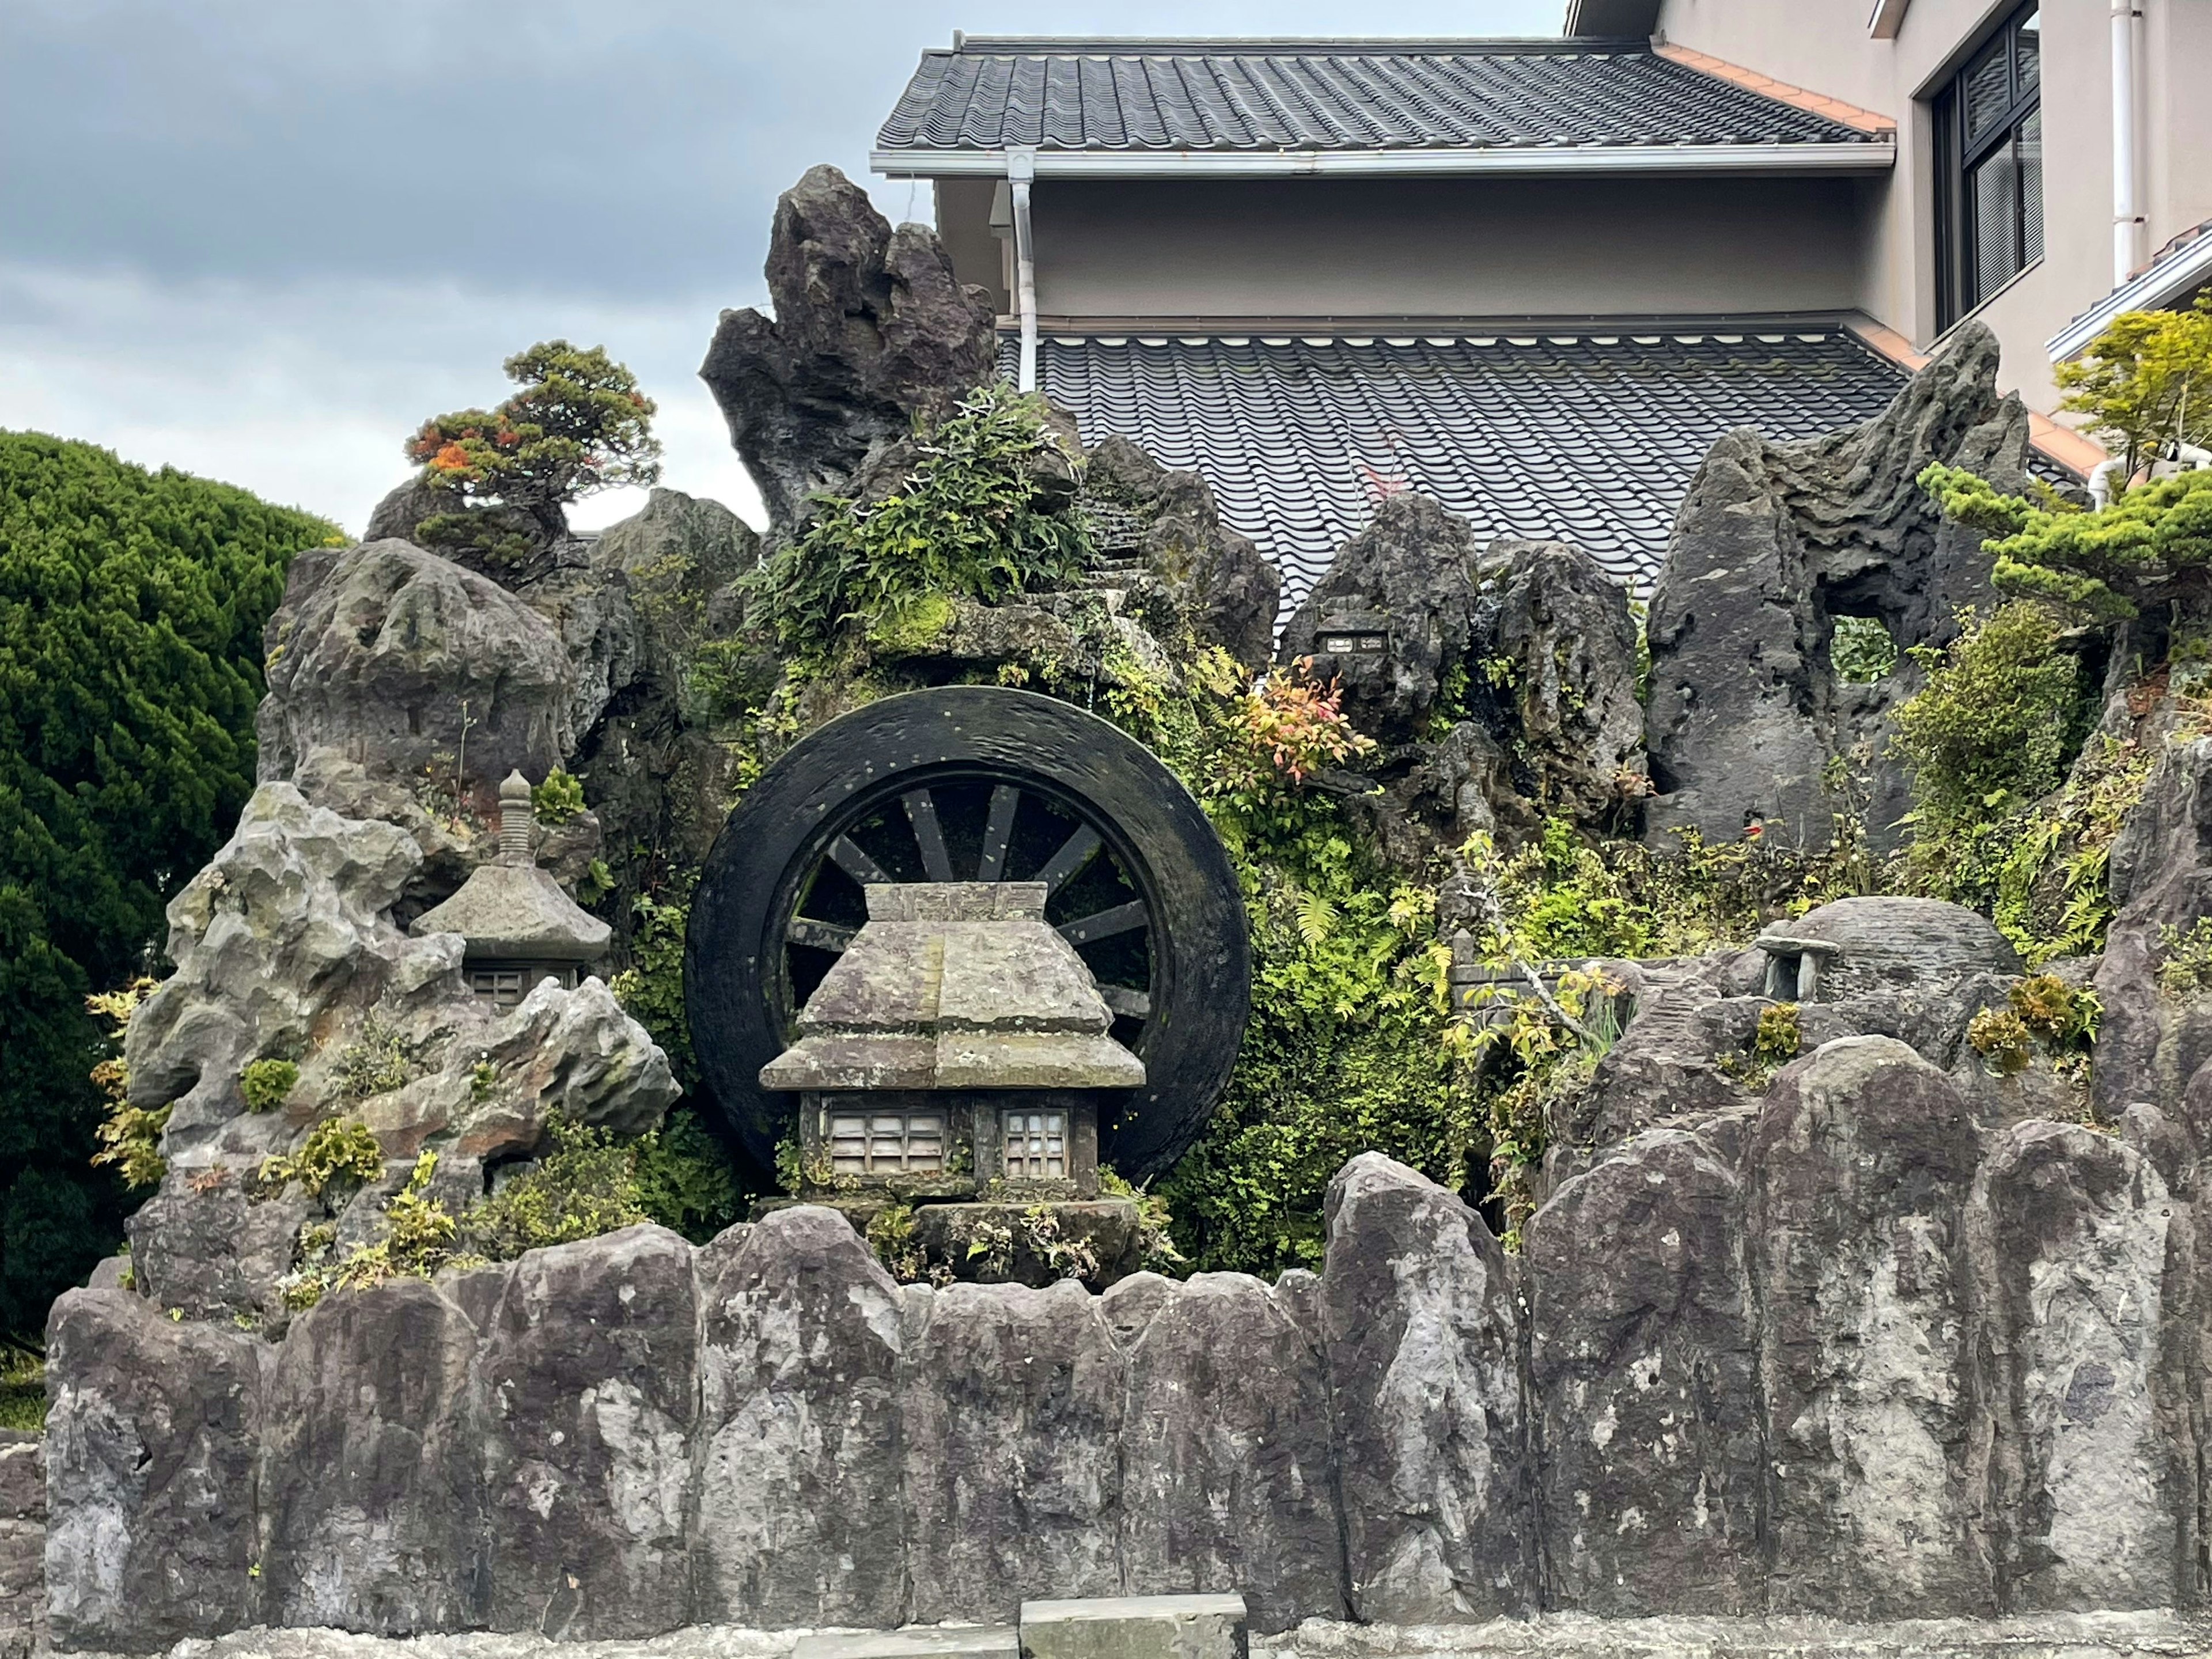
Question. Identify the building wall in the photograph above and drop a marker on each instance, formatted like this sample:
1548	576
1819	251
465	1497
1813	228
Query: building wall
1544	246
1823	45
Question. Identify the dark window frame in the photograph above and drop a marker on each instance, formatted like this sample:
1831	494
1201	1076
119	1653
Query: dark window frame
1960	151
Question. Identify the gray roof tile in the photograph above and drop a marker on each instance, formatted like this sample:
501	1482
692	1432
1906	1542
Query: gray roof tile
1258	95
1590	439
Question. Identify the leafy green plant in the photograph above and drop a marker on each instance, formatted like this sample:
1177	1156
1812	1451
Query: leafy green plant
890	1236
2001	1038
263	1084
22	1389
129	1137
684	1178
558	799
418	1239
2185	968
2001	713
584	1185
2145	382
338	1150
1156	1251
978	517
651	989
1862	650
375	1063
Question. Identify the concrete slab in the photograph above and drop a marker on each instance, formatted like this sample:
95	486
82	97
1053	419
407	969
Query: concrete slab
915	1642
1135	1627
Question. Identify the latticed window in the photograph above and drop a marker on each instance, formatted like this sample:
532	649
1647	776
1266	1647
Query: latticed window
502	987
887	1143
1037	1146
1989	119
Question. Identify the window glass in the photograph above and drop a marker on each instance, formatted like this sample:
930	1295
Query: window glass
2030	189
1037	1146
1986	88
1991	228
1993	205
2028	54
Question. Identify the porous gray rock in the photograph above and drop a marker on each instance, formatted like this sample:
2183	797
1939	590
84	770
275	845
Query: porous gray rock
797	1516
1209	575
1552	665
208	1247
871	329
423	672
2073	1238
1424	1365
371	1486
1642	1365
1241	1495
1411	574
22	1545
1010	1407
1772	543
587	1375
2151	1045
150	1452
1859	1170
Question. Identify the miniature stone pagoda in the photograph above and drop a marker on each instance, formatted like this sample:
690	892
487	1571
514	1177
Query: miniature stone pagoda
520	927
959	1047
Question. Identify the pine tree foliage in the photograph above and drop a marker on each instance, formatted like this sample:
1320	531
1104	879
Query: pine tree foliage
132	606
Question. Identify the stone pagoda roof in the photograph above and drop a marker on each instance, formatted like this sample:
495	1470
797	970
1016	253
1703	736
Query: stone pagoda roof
513	909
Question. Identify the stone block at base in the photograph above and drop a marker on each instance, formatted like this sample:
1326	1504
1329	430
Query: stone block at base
916	1641
1135	1627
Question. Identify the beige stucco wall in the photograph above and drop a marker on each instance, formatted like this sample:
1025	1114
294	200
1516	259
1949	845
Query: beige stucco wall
1549	247
1823	45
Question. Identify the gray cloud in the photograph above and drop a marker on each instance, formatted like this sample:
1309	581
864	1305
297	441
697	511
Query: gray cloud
263	242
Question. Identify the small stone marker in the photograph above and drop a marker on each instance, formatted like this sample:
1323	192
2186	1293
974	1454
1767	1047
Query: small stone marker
1135	1627
915	1642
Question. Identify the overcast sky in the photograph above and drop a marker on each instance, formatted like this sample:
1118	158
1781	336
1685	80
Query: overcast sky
263	242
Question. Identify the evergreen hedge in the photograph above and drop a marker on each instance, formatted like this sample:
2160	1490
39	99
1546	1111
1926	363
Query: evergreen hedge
132	606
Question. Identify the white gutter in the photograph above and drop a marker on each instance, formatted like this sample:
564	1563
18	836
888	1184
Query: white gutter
2168	280
2127	213
1875	155
1886	19
1021	168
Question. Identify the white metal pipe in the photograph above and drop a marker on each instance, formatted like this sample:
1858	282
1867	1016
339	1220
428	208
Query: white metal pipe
1021	169
2127	211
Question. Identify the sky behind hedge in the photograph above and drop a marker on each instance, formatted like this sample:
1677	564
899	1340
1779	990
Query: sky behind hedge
263	242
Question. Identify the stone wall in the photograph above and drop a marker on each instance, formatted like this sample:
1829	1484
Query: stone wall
1893	1362
22	1544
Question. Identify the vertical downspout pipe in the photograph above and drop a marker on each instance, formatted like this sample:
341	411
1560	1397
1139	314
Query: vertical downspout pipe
1021	168
2127	213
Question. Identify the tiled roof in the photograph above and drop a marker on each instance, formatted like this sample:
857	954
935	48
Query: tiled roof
1240	96
1589	439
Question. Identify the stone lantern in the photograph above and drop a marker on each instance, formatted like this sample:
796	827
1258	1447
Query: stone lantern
959	1046
519	927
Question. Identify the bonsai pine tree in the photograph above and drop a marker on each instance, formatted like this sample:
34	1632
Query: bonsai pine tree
577	425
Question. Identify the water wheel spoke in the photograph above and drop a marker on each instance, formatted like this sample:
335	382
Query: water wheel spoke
998	833
1077	850
1126	1002
845	853
1121	918
921	812
818	935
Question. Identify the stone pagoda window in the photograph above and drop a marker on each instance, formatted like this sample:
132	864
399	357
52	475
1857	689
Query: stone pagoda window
886	1143
1037	1146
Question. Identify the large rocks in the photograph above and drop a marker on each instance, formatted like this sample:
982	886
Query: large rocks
1775	541
587	1375
22	1545
1425	1382
1859	1172
1408	580
1241	1493
1642	1365
797	1515
1212	576
871	329
1011	1409
2073	1236
392	657
152	1445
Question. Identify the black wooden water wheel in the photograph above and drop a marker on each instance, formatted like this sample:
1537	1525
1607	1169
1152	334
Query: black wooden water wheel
975	783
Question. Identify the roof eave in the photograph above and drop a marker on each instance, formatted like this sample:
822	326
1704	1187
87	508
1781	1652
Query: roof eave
1871	157
2149	290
